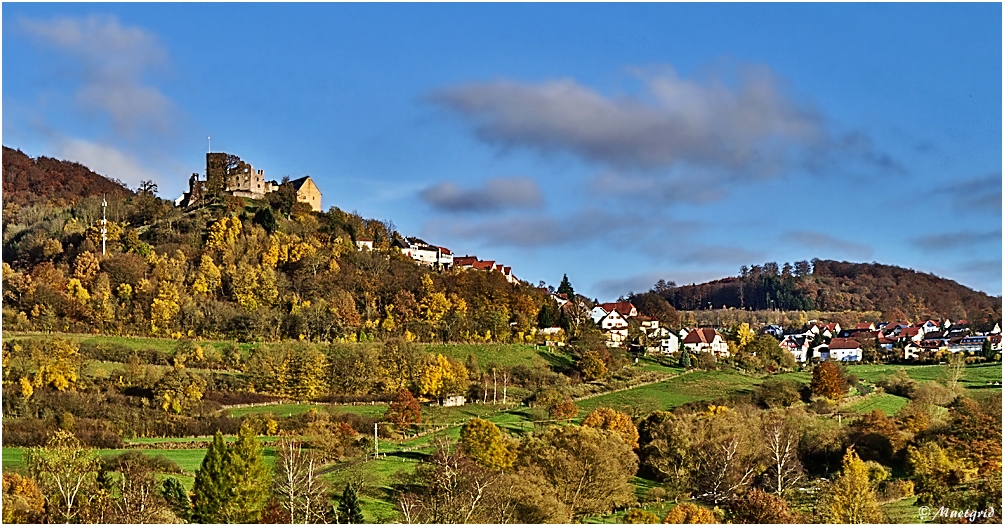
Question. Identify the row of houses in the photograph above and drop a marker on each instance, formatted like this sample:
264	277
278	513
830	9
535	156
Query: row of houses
831	341
827	341
442	258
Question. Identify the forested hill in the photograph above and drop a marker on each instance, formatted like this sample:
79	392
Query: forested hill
827	285
267	269
27	180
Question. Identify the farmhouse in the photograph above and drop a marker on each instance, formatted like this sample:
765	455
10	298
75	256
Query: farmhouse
706	340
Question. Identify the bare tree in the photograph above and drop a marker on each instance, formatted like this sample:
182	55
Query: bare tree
781	440
298	488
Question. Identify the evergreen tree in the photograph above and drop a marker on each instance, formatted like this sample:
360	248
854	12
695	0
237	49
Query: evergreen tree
349	511
247	477
177	497
685	359
211	490
566	287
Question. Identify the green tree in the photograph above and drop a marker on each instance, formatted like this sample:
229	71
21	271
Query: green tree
685	359
248	479
349	510
484	443
852	499
177	498
211	488
566	288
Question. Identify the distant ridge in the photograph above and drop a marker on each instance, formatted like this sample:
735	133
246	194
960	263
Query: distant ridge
28	181
837	286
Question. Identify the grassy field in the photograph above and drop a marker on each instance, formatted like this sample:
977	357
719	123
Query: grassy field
508	355
279	410
698	385
188	460
903	511
887	403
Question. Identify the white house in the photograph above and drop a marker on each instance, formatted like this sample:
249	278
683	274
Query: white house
598	313
364	244
797	345
613	320
706	340
425	253
844	350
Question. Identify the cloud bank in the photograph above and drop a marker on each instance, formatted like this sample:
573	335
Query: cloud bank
495	195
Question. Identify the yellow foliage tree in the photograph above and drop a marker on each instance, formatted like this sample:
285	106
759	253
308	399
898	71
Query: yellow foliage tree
23	503
744	335
209	278
484	443
620	423
689	513
223	232
165	307
86	266
852	500
443	377
77	291
58	364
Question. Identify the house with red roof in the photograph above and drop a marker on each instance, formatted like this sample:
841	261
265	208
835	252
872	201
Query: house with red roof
844	350
706	340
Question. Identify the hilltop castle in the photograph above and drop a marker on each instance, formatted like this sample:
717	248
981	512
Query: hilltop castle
228	174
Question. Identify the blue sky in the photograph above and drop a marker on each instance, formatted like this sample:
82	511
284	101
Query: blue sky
617	143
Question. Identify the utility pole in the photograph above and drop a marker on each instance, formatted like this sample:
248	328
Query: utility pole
104	224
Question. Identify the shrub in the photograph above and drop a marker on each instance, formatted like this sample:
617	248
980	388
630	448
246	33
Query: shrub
776	393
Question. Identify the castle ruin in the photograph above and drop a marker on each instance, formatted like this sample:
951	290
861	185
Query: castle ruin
228	174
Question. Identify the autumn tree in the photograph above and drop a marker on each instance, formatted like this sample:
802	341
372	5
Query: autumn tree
852	498
954	370
565	287
585	470
611	420
66	472
828	380
23	503
484	443
760	507
592	366
443	377
688	513
179	390
404	411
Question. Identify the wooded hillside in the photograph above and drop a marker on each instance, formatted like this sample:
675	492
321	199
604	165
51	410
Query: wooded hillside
27	180
827	285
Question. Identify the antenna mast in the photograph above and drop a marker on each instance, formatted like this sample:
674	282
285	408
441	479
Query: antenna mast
210	139
104	224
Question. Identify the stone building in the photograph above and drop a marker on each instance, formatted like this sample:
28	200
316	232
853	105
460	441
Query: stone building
228	174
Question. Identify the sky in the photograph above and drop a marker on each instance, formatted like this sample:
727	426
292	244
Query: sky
618	143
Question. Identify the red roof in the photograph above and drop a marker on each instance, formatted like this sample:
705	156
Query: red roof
909	331
445	250
844	343
622	307
701	336
484	265
864	326
465	260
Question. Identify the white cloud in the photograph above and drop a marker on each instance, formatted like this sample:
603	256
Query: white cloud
113	60
682	121
107	161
